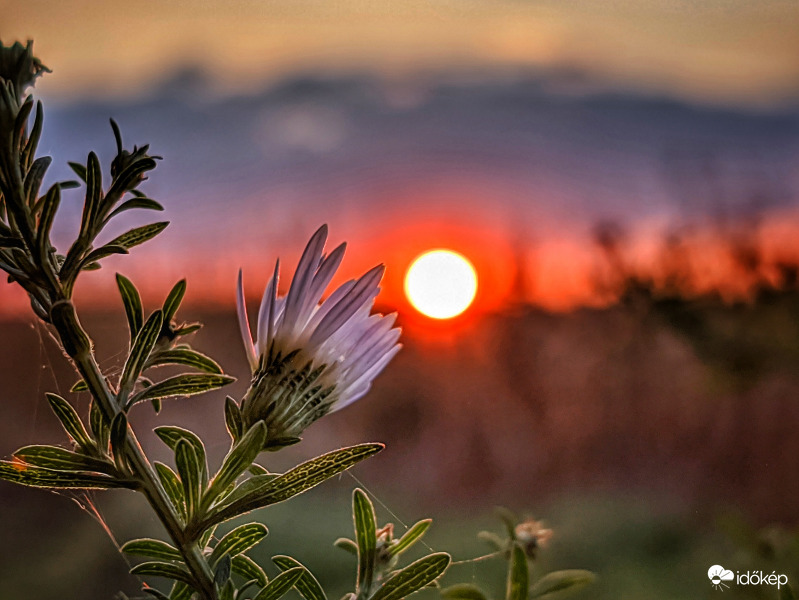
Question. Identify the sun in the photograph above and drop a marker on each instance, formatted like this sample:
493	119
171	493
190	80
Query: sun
441	284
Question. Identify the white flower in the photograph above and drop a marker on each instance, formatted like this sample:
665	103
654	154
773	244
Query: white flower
311	357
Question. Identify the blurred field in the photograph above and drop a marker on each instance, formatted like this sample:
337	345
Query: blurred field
631	434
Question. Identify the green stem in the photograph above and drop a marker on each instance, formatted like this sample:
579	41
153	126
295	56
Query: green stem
77	344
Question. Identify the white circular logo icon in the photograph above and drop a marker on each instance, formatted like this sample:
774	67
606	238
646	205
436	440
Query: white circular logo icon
718	575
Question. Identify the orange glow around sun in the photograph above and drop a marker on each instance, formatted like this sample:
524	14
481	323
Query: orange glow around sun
441	284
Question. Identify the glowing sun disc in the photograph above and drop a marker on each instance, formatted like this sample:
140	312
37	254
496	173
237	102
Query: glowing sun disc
441	284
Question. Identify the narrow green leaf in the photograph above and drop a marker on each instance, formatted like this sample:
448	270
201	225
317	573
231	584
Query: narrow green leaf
157	594
463	591
162	569
182	385
79	170
518	575
189	472
33	139
49	207
173	300
307	585
257	469
295	481
145	203
228	592
60	459
552	584
410	537
247	568
142	346
222	571
131	175
233	421
363	516
173	487
132	302
239	540
79	386
187	329
118	438
181	591
277	443
94	190
240	457
99	426
38	477
139	235
171	435
33	180
152	548
492	539
187	357
21	124
100	253
413	577
509	520
347	544
70	421
205	538
280	585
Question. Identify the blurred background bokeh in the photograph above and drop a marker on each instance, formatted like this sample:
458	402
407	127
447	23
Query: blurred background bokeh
624	177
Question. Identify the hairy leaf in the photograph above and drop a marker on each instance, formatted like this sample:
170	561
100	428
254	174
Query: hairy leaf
463	591
17	472
280	585
186	357
233	421
240	457
119	438
152	548
173	487
410	537
173	300
189	471
247	568
552	584
171	435
347	545
307	585
70	421
145	203
363	516
132	302
182	385
142	346
60	459
413	577
162	569
139	235
239	540
518	575
295	481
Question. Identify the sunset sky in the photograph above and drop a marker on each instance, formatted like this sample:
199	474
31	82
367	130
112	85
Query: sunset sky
728	50
479	125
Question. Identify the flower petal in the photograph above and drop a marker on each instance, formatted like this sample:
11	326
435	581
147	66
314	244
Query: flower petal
266	312
363	292
244	324
303	277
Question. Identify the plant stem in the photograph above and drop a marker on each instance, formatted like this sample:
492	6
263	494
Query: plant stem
77	344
